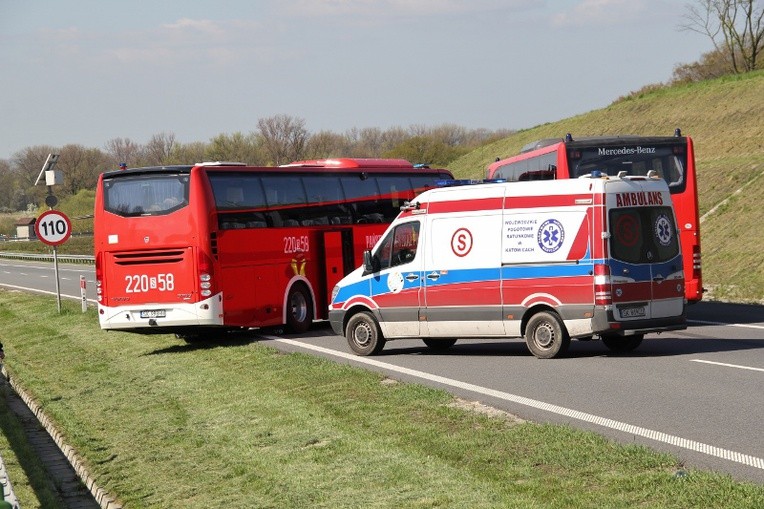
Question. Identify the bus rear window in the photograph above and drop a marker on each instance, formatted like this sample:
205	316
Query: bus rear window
643	235
145	195
669	161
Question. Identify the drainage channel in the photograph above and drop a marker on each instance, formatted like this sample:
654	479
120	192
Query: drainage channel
69	486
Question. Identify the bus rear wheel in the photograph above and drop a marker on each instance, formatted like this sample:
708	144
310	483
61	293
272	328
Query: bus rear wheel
299	309
546	335
622	343
364	335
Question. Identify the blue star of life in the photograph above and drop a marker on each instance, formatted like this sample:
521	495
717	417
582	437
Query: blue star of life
550	236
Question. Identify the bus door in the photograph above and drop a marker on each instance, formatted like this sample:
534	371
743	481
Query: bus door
338	259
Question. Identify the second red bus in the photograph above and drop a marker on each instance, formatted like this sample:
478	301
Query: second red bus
671	157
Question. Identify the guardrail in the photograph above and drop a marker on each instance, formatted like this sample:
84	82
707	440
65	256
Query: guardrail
62	258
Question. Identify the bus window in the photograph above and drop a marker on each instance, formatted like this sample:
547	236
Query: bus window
143	196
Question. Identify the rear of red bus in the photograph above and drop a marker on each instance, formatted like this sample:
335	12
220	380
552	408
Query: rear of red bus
672	157
153	251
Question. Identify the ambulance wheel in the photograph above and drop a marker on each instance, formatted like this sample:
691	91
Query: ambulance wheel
299	309
623	343
546	336
439	344
363	334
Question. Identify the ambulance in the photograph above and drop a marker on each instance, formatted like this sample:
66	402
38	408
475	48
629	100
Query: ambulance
547	261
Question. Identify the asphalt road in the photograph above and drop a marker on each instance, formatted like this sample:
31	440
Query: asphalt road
695	393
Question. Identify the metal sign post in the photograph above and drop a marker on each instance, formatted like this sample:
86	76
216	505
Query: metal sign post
52	227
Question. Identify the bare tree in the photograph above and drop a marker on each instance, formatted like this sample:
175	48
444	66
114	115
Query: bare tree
736	28
81	167
123	150
159	149
284	137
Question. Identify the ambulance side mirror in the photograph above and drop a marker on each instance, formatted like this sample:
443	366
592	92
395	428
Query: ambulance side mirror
370	262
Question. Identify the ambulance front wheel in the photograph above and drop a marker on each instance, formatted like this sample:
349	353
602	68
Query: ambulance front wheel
363	334
546	336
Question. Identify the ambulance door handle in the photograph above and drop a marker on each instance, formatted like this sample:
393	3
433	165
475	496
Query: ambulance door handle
433	276
659	278
411	277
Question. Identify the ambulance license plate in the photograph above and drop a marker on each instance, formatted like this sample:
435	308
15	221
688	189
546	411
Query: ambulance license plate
153	313
632	312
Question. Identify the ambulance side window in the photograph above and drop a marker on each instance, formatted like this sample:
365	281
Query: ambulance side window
399	246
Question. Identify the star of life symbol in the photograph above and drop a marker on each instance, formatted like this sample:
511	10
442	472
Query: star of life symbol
551	235
663	230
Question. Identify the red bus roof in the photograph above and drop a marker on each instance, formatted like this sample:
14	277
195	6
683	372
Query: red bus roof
346	162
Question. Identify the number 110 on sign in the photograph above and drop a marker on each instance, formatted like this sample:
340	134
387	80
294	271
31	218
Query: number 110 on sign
53	227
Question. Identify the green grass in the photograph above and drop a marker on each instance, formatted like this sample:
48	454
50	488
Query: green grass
239	424
725	118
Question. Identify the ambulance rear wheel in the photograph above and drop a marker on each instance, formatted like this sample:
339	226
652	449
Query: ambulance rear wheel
439	344
617	343
299	314
364	335
546	336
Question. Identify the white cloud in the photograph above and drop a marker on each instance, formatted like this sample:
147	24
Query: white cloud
601	12
389	8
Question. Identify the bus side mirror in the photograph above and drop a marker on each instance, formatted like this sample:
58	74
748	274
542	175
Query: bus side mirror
370	263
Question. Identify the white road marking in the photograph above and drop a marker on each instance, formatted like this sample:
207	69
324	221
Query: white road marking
723	324
658	436
738	366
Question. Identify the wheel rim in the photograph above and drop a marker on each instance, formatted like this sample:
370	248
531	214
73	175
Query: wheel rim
299	307
362	334
543	336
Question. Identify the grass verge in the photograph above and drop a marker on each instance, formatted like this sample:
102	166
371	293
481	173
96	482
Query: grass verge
239	424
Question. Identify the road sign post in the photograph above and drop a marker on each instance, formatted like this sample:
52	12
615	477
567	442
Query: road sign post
54	228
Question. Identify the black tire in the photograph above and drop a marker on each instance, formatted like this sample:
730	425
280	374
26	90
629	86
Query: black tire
439	344
364	335
299	309
623	344
546	335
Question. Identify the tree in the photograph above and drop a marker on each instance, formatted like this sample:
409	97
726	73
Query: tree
284	137
736	28
123	150
81	167
235	147
159	149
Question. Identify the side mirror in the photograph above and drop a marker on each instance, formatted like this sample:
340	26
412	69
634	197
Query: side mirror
370	263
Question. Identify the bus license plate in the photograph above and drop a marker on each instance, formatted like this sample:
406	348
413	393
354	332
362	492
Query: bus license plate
633	312
153	313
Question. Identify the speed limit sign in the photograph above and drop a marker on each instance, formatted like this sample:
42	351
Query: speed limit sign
53	227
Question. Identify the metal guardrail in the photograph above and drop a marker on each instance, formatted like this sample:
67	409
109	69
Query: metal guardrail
62	258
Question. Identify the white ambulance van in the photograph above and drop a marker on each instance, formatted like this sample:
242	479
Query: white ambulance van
547	261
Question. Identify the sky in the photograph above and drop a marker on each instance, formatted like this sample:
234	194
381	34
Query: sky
88	71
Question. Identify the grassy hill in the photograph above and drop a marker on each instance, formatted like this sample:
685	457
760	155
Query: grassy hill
725	119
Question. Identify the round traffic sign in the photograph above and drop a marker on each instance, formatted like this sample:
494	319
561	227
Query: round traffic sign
53	227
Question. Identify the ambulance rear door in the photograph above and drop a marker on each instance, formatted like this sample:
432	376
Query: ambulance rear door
645	263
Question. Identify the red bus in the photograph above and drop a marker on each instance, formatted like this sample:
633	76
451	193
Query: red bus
221	246
672	157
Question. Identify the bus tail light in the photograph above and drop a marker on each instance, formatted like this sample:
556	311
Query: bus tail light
602	292
99	277
205	276
696	262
